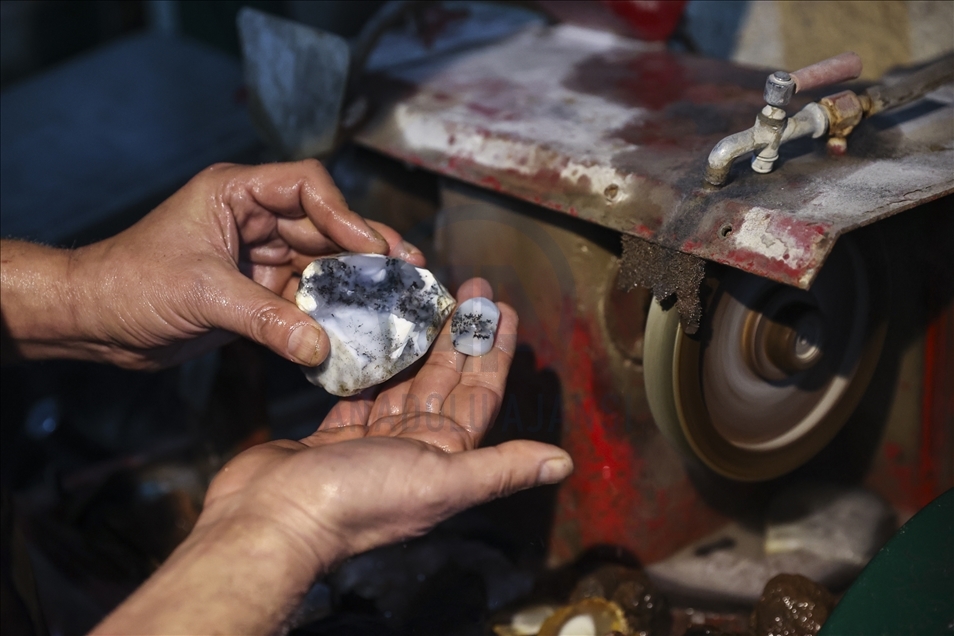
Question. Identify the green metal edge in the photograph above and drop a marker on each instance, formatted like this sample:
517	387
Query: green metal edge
908	587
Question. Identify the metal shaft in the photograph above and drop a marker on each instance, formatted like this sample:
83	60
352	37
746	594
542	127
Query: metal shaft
911	88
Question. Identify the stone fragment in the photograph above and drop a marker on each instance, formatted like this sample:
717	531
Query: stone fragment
838	523
526	622
645	608
791	605
381	315
593	616
474	326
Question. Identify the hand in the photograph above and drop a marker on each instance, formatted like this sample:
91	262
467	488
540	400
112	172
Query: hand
212	261
390	463
382	467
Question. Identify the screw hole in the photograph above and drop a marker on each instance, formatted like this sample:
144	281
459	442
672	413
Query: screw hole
725	230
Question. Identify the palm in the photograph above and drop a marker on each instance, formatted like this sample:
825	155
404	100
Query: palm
388	464
448	402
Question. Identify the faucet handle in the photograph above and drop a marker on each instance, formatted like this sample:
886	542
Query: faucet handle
840	68
780	86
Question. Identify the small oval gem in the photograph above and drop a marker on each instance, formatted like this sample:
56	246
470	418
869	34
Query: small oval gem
474	326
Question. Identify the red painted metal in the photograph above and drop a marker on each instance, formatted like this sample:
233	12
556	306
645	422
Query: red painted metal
612	498
913	470
617	132
936	450
629	489
652	20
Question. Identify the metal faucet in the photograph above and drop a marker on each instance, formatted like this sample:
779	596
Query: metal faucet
772	126
836	114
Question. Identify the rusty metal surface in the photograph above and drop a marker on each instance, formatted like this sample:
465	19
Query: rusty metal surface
577	381
629	489
617	132
667	273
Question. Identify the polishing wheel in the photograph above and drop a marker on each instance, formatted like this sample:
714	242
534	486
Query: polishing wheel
773	372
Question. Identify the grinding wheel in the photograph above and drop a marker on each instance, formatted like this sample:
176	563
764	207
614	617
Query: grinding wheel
774	371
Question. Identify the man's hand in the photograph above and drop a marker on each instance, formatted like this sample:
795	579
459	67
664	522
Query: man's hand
407	437
383	467
212	261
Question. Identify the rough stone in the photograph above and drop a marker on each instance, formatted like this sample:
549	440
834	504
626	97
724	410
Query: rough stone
381	315
837	523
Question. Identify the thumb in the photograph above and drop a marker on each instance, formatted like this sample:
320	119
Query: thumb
498	471
252	311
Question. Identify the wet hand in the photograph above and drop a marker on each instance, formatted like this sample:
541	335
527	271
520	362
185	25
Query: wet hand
391	463
383	467
220	257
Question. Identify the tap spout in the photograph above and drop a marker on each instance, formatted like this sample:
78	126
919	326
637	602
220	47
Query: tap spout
771	130
727	151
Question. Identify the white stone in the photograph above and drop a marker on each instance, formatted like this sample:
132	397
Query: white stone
837	523
582	625
527	622
381	315
474	326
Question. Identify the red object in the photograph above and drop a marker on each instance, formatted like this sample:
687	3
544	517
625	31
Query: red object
937	410
840	68
614	496
619	138
650	19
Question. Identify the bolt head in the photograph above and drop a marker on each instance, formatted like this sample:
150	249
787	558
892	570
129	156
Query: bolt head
779	88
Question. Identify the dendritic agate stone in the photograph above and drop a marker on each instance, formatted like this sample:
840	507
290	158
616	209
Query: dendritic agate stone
381	314
474	326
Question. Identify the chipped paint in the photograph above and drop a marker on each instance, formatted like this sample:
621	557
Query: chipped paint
617	132
527	133
754	235
765	234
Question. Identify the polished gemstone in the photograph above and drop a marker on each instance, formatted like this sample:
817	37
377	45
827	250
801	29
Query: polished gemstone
474	326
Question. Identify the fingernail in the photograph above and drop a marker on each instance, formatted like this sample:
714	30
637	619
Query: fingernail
380	238
303	345
555	470
410	249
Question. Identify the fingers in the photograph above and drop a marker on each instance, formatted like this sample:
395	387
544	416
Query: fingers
474	403
242	306
305	189
461	394
334	435
443	365
305	239
398	247
350	411
484	474
475	288
291	287
391	400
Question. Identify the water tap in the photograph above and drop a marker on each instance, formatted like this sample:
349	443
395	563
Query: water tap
773	126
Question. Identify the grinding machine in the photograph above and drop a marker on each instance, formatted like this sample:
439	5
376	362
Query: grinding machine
697	331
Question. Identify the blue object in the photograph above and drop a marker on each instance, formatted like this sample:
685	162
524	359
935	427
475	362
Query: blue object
90	144
713	25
